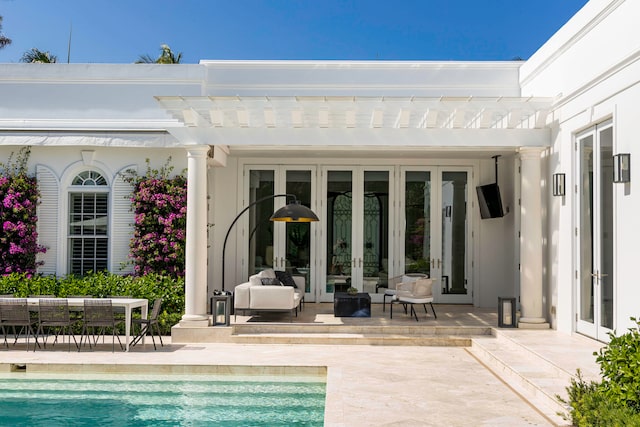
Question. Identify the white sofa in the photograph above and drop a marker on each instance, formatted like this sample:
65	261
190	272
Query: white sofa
255	296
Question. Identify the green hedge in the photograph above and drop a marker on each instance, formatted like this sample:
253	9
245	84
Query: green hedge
615	400
104	284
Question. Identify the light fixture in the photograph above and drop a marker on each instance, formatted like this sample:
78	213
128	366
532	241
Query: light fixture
292	212
506	312
221	309
622	167
558	184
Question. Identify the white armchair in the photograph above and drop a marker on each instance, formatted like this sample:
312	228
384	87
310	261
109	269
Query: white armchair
419	291
392	284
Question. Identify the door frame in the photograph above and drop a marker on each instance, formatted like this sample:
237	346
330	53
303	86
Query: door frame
279	228
593	329
357	233
436	229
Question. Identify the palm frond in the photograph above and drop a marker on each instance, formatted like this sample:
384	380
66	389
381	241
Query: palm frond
35	55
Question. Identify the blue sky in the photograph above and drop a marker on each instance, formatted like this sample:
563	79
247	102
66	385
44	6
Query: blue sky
119	31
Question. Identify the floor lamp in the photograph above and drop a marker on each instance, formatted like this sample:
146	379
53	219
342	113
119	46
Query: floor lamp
291	212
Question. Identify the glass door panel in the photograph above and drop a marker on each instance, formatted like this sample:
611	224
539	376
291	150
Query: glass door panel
261	242
417	208
339	228
586	224
606	229
453	273
375	234
298	235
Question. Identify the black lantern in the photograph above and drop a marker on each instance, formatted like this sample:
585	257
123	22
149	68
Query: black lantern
221	309
622	167
558	184
506	312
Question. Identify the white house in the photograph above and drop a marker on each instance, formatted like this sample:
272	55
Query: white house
388	154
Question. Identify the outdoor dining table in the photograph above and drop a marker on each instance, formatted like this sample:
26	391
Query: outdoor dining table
127	303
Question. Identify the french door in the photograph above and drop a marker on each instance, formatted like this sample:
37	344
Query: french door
436	230
376	222
284	246
356	219
595	274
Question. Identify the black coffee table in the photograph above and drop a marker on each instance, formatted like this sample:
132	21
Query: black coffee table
345	305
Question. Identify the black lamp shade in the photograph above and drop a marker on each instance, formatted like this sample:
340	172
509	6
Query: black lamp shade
294	212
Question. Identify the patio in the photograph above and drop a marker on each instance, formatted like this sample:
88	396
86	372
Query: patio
478	375
316	324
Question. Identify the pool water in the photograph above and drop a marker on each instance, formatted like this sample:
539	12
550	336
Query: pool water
159	402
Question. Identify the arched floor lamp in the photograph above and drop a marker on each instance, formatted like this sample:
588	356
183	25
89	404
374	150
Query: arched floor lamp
291	212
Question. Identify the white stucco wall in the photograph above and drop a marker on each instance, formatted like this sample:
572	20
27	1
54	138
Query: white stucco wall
592	65
496	255
361	78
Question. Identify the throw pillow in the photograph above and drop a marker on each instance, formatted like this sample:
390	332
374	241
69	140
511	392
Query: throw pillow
268	272
422	288
270	281
286	278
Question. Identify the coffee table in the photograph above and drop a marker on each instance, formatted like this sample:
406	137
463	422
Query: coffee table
345	305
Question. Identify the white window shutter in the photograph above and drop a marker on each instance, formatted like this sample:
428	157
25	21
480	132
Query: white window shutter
48	218
122	218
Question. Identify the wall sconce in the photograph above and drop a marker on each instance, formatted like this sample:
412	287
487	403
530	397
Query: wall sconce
622	167
558	184
506	312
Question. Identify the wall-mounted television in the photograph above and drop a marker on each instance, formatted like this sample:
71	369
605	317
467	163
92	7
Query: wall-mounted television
489	201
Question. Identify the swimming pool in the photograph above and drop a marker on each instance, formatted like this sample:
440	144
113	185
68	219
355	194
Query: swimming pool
174	400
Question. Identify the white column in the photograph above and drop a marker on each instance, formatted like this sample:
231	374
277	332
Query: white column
195	292
531	240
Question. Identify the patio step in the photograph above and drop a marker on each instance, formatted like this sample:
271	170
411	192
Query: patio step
270	333
537	379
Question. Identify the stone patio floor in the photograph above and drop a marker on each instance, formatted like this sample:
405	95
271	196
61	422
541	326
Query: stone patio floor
373	385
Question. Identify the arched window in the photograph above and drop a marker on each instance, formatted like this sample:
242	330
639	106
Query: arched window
88	239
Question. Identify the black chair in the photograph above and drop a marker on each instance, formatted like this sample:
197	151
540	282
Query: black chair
98	313
148	325
76	314
54	314
14	313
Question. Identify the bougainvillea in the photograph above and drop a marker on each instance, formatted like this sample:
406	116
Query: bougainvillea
18	200
159	203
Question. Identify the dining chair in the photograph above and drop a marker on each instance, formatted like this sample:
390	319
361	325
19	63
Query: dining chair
76	314
14	313
54	314
98	313
148	325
